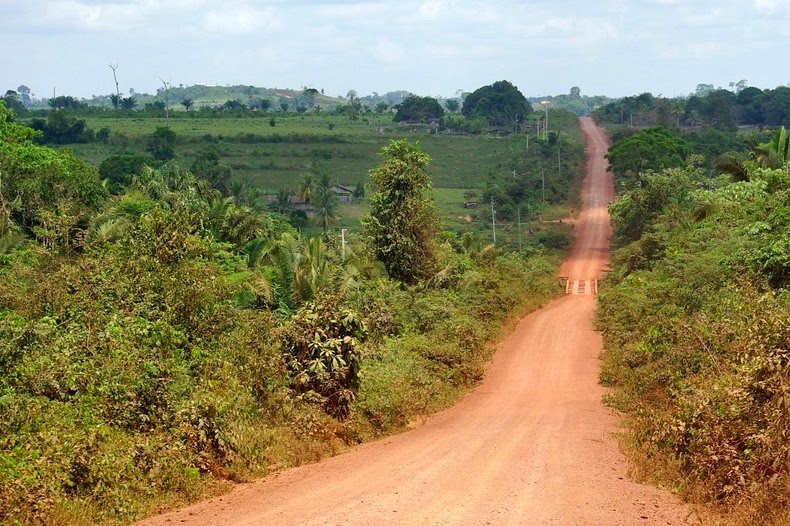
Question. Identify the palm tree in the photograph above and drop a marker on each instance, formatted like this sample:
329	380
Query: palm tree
775	153
123	212
115	100
325	207
187	103
307	187
242	225
733	165
282	203
128	103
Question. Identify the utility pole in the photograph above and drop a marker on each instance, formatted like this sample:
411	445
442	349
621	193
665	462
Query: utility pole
543	185
559	161
545	104
493	223
343	242
518	212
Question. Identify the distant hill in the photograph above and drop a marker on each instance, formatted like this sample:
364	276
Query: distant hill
203	95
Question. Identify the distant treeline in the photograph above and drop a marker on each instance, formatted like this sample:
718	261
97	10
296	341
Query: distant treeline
716	108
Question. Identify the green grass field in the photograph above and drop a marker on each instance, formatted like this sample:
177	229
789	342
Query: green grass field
277	157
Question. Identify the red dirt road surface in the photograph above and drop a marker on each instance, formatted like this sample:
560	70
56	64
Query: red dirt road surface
531	445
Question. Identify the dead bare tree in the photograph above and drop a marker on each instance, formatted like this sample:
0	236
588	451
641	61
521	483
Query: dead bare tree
114	67
167	99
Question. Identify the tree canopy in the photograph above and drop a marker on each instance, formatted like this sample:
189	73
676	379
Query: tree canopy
402	222
500	103
52	193
418	109
654	148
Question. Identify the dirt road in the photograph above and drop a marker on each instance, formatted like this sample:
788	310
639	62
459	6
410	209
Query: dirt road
532	445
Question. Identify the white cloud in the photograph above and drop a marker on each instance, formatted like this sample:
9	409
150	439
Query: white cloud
235	20
424	46
387	51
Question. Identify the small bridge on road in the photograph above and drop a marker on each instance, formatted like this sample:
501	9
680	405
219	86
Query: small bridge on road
579	286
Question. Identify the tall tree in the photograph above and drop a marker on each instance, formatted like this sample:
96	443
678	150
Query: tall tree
354	105
418	109
402	224
307	187
501	103
325	208
161	143
117	99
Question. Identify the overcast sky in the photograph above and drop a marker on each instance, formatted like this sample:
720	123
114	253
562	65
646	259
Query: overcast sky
428	47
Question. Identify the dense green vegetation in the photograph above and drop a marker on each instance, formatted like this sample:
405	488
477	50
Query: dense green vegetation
501	104
418	109
716	108
159	338
696	320
245	156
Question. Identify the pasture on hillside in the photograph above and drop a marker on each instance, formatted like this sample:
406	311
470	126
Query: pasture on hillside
276	157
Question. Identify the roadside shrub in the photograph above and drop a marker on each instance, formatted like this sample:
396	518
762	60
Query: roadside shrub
321	346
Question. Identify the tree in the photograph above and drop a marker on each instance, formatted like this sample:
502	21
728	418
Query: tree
13	101
310	94
115	100
128	103
161	143
65	102
282	202
353	107
634	211
263	104
54	192
24	94
167	98
775	153
418	109
576	92
452	105
187	103
233	105
59	128
720	110
402	223
651	149
776	106
325	207
704	89
207	166
307	187
118	170
500	103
